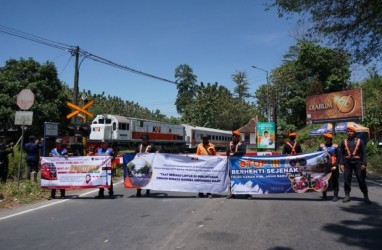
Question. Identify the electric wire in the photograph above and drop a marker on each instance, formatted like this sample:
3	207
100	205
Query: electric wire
72	49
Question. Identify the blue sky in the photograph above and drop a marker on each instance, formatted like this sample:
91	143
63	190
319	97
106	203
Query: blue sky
216	38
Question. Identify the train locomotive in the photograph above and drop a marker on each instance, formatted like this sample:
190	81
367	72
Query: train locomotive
126	132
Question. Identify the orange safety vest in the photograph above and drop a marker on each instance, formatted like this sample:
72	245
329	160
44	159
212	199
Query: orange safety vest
293	148
352	155
209	150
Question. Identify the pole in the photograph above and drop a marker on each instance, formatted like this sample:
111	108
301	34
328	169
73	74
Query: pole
84	139
275	119
76	75
21	156
268	104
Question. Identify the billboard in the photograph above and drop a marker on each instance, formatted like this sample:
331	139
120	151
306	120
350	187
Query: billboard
336	106
266	135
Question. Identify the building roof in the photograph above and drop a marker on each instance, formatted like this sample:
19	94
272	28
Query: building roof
250	127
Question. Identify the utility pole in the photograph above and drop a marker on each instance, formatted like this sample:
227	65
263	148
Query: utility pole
76	75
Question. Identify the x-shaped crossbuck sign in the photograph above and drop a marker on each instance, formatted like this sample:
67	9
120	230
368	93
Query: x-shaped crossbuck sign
79	109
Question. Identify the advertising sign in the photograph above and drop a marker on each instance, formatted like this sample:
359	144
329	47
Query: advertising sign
336	106
266	135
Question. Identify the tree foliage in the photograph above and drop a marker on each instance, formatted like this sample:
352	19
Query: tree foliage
186	81
242	85
214	106
351	24
308	69
372	95
50	95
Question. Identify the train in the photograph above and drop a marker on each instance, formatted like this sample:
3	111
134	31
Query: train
126	132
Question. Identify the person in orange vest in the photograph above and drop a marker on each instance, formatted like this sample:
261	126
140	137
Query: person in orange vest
292	147
236	147
332	152
144	148
205	148
353	158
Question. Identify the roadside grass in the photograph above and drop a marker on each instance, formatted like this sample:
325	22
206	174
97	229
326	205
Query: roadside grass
26	192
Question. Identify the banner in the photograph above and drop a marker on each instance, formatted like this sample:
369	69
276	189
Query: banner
182	173
278	174
76	172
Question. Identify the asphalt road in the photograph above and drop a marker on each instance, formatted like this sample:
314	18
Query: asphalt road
181	221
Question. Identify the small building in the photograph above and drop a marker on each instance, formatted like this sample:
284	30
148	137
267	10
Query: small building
248	133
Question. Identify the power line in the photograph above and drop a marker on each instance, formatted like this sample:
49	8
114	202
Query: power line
71	49
33	38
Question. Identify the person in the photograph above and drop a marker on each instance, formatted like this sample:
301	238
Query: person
88	180
32	149
145	147
105	150
205	148
292	147
91	151
331	164
5	150
236	147
266	140
353	158
59	150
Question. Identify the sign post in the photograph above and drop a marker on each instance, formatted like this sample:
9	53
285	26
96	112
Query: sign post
25	100
50	129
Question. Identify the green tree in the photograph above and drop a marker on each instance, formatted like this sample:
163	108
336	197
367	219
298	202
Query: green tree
50	94
186	85
214	106
372	95
308	69
242	85
351	24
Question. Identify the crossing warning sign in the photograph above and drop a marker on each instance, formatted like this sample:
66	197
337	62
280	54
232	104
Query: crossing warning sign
79	109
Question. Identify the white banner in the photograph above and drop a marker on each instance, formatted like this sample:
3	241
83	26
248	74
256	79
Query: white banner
172	172
76	172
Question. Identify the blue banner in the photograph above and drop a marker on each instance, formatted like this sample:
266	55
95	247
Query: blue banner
278	174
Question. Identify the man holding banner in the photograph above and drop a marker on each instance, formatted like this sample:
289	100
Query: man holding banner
205	148
105	150
236	147
144	148
332	151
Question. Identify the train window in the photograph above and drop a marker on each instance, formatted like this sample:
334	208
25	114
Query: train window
141	124
101	121
169	130
122	126
108	121
114	126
